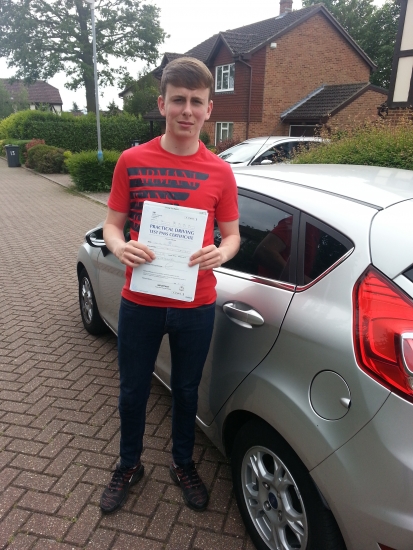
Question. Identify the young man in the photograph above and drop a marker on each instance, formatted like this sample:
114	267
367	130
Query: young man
177	169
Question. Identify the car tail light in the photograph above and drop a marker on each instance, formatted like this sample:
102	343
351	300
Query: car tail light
383	331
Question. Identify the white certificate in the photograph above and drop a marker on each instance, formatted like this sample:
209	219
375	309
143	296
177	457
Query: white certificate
173	233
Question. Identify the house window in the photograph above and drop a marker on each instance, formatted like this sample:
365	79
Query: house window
223	131
303	130
224	78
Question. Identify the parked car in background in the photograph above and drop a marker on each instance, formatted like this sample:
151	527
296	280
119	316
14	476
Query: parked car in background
265	150
308	385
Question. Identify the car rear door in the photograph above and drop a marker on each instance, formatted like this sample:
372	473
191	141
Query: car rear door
254	291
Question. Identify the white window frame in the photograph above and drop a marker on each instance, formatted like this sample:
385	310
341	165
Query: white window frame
221	127
224	70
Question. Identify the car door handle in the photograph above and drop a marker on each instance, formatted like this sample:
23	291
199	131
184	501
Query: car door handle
243	315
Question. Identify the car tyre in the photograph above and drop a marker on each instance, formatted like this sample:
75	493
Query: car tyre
91	318
278	501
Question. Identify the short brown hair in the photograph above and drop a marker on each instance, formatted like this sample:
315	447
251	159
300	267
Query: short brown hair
187	72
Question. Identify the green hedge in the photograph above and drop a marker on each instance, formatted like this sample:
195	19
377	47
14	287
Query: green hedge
88	173
76	133
375	144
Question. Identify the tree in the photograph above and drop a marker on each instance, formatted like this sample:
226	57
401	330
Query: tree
9	104
6	104
373	28
40	38
113	109
145	92
381	41
43	106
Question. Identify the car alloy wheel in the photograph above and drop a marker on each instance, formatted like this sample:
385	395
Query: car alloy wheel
86	300
273	500
91	318
279	502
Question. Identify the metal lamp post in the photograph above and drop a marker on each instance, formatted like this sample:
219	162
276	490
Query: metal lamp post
92	10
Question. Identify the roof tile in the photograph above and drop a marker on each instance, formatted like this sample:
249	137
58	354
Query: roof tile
323	101
39	92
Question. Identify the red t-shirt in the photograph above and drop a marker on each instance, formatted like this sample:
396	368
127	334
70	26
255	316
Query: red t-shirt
202	180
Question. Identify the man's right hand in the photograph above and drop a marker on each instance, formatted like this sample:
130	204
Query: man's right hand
133	253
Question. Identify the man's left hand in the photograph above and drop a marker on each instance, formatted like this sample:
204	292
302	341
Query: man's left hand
208	257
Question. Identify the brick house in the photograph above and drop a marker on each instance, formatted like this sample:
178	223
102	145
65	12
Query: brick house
285	75
39	93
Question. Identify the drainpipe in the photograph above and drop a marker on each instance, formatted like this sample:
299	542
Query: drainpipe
249	99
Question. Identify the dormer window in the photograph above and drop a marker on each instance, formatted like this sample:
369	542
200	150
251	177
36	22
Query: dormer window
224	78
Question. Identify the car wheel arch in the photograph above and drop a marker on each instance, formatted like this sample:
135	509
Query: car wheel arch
79	269
264	437
233	424
236	420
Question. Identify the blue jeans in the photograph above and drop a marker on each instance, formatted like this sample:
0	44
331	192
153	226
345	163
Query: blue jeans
140	332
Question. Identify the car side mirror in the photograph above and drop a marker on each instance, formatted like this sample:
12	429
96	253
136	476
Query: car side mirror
266	161
94	238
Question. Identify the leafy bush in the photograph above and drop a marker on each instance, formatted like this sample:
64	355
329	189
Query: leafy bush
375	144
225	144
88	173
46	159
204	137
76	133
13	125
31	144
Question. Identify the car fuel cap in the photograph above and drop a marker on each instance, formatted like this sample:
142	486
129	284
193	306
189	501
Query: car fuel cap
330	395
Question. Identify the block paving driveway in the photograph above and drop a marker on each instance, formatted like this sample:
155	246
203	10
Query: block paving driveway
58	401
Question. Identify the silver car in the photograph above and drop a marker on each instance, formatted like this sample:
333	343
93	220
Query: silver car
265	150
308	386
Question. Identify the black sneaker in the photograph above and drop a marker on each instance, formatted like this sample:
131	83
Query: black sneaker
193	489
116	492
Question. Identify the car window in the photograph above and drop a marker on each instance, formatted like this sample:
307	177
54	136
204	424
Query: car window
267	233
323	247
409	273
126	230
243	152
281	152
277	153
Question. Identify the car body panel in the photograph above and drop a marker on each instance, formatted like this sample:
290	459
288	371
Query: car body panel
87	256
385	252
368	481
301	352
329	208
111	281
404	283
236	350
372	185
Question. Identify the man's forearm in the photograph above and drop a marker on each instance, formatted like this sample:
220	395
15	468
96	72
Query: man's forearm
114	238
229	247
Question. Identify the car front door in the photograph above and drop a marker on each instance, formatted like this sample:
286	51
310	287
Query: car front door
110	283
254	291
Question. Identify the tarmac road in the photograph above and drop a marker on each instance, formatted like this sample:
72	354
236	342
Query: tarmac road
58	400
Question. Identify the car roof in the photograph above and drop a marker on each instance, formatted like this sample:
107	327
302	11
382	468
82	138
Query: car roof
372	185
273	139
